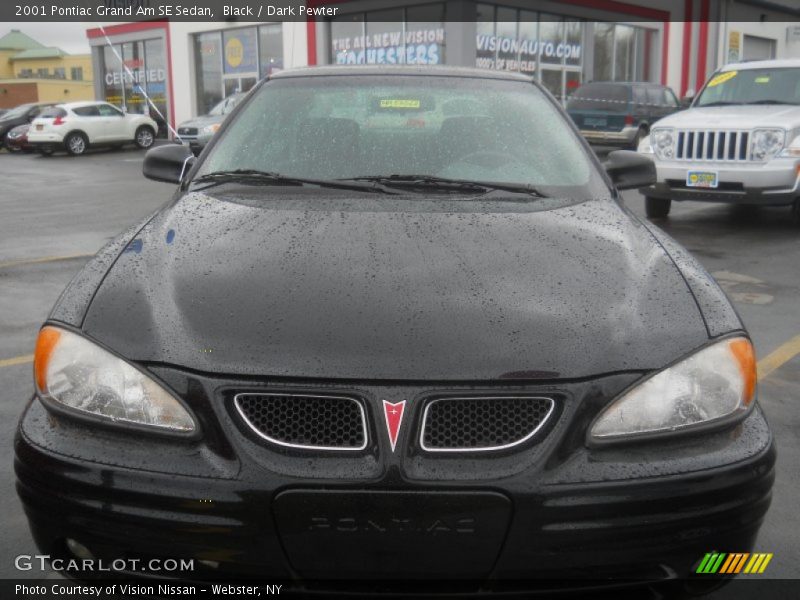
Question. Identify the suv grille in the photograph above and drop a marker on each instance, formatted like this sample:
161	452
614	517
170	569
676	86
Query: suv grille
305	421
717	146
474	424
187	130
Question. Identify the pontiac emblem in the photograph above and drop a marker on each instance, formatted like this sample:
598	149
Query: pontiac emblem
393	411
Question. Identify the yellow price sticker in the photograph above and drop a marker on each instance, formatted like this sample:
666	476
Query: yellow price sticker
399	103
762	79
722	78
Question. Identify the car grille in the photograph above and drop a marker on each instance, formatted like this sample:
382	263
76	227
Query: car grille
187	130
717	146
306	421
475	424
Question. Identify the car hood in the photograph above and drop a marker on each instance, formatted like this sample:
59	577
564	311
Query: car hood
734	117
202	121
396	293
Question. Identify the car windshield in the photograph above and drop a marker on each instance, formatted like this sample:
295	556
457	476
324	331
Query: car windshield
18	111
752	86
225	106
408	127
605	97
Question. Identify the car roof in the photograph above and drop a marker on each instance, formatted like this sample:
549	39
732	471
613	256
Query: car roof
389	70
763	64
71	105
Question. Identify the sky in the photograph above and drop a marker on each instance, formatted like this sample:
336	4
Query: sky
70	37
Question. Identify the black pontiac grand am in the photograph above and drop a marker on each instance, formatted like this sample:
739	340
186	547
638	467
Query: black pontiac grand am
396	324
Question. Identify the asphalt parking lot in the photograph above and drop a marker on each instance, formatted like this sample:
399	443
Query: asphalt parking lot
56	212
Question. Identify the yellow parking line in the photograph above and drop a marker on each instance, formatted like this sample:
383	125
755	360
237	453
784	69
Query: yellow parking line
43	259
778	357
17	360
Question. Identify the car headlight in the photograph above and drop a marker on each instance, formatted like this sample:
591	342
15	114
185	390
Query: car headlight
792	150
210	129
717	383
766	143
663	142
77	374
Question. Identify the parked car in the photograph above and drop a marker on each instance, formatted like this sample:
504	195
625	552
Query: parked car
739	142
197	132
377	333
77	126
619	113
20	115
17	139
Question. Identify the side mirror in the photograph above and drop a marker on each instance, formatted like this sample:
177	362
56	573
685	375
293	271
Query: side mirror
168	163
686	101
629	170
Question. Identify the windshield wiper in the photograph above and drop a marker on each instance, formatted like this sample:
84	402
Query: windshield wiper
256	177
446	184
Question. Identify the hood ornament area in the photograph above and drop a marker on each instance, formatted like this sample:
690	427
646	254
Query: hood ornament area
393	412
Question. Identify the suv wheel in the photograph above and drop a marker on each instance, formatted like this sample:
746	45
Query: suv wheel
76	143
144	137
656	208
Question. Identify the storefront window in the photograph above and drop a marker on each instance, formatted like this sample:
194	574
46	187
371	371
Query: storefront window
156	81
621	52
540	44
112	75
231	61
395	36
208	70
133	77
133	71
270	49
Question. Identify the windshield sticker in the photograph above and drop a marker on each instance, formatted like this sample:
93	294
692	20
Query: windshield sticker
722	78
762	79
400	103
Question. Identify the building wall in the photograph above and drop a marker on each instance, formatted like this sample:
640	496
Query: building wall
55	90
83	61
6	66
14	93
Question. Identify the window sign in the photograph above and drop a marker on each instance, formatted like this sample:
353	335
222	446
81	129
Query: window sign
240	51
412	47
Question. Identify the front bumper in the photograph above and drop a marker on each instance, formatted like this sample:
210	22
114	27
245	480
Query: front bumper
776	183
554	512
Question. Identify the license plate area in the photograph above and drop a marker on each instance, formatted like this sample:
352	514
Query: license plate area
391	535
702	179
39	127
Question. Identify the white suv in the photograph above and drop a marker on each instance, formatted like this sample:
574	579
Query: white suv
739	142
77	125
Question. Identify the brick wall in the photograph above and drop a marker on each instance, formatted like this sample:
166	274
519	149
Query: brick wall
13	94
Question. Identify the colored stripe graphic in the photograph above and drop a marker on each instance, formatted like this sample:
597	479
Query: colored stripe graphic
723	563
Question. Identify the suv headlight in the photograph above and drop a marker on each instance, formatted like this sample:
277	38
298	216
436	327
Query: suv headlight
717	383
663	142
210	129
792	150
77	374
766	143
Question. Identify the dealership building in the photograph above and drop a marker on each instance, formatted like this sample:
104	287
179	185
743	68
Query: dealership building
186	68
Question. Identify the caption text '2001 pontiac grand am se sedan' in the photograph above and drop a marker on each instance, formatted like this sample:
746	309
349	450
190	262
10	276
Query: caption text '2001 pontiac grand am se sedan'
397	325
